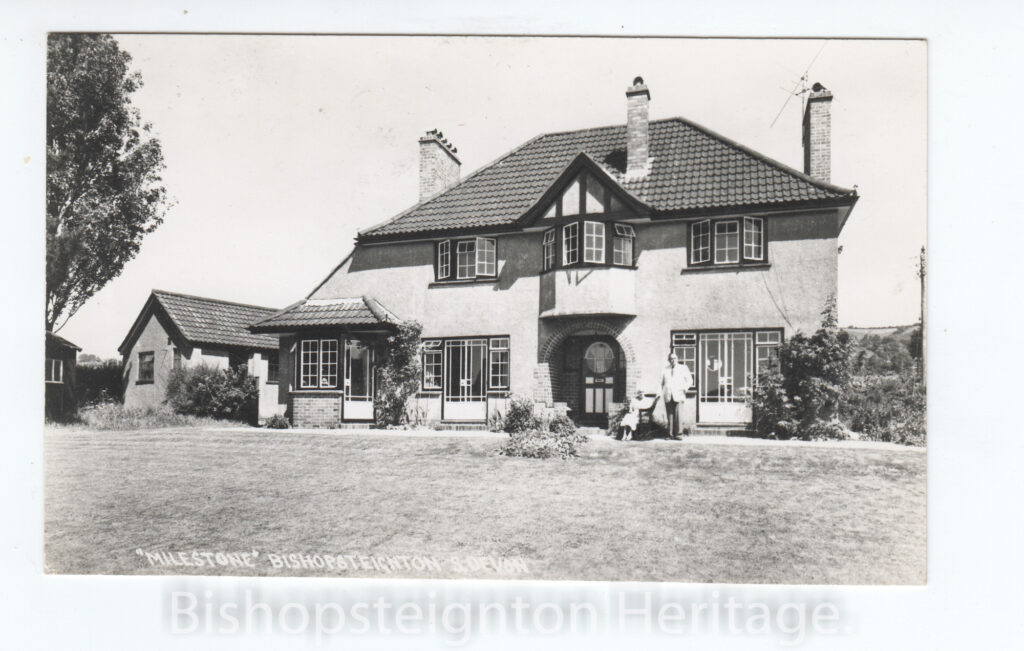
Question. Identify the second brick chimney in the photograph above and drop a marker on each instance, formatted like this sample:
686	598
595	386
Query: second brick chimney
439	164
638	100
818	134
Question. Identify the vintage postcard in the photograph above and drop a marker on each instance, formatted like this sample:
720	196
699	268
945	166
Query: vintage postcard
466	307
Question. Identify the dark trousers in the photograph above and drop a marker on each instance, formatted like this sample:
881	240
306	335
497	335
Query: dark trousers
674	413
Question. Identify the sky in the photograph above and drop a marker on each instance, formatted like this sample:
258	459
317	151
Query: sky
280	148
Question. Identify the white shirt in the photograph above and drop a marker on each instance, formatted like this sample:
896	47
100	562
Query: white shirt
675	381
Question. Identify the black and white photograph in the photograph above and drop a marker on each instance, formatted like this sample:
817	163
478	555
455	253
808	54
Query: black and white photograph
482	307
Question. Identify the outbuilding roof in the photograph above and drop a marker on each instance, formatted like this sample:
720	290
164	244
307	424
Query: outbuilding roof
359	311
692	170
205	321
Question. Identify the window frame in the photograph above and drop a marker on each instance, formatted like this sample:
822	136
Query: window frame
432	347
498	347
700	242
274	362
573	250
719	225
757	246
466	259
486	247
151	365
443	260
317	363
548	252
54	373
623	233
597	237
708	242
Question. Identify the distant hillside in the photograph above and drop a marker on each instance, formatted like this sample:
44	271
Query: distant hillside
899	332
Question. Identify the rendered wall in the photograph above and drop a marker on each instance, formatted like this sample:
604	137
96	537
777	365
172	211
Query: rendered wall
789	292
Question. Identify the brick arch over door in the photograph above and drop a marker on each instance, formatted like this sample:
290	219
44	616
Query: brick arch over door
547	376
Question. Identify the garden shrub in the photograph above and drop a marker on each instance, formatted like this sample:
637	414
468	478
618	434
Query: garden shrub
562	424
397	374
520	417
888	408
216	393
99	382
277	421
538	444
800	398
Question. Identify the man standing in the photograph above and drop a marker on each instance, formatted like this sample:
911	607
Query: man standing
675	381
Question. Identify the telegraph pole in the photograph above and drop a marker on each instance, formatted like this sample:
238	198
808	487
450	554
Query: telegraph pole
922	273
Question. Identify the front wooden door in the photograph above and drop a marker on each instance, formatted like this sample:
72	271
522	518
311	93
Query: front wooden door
598	382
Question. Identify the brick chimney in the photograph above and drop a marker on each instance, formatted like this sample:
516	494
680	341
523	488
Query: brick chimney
439	164
638	100
818	134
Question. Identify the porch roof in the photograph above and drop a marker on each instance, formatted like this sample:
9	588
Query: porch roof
352	312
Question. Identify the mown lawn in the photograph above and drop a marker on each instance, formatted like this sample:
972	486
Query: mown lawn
694	511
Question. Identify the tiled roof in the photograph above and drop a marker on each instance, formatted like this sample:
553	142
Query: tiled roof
60	342
310	313
692	169
209	321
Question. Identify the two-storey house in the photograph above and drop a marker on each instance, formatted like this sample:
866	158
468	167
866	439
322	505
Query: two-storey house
569	268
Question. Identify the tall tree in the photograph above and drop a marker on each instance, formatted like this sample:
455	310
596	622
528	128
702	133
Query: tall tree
103	184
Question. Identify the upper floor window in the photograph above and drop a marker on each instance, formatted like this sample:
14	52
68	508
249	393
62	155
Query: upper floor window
474	258
622	249
571	243
727	241
593	242
146	360
549	249
318	364
598	246
54	371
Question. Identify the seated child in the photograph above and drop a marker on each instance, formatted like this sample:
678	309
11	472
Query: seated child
629	422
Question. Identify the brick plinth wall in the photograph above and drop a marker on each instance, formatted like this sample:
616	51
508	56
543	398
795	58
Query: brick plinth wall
316	409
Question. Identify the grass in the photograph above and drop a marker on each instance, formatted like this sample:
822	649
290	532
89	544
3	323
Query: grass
114	416
694	511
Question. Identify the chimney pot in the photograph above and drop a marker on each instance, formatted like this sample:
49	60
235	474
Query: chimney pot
439	165
817	134
638	100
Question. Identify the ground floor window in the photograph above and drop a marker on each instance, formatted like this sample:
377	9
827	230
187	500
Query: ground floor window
318	364
145	367
725	366
498	363
273	368
54	371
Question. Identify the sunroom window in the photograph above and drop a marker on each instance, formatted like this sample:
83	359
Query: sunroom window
318	364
